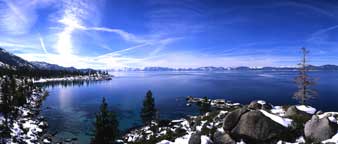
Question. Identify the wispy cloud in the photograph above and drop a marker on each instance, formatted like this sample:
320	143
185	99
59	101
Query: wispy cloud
42	43
19	16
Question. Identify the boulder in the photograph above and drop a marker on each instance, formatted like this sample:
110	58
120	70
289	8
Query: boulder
255	105
195	138
232	118
255	126
223	138
292	111
318	130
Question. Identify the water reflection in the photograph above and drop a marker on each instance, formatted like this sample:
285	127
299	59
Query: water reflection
65	84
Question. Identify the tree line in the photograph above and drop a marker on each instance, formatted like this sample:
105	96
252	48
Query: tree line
41	73
14	92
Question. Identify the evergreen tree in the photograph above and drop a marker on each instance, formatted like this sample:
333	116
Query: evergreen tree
148	112
204	106
304	81
106	125
5	107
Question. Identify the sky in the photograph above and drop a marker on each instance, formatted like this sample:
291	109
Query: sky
111	34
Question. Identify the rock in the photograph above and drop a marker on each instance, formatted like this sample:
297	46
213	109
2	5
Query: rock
195	138
255	126
232	118
223	138
318	130
255	105
319	112
292	111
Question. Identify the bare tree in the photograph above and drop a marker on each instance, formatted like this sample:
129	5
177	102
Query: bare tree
304	81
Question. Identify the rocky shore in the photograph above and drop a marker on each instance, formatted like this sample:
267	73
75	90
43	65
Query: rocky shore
29	127
231	123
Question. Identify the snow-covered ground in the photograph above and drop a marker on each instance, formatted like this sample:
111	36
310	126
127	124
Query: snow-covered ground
180	124
27	127
74	78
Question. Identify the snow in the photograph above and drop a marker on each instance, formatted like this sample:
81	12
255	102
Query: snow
177	121
330	115
199	128
205	140
307	109
278	110
241	142
334	139
46	141
182	140
88	77
220	130
283	121
300	140
165	142
332	119
261	102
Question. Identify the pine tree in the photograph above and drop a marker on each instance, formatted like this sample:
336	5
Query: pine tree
6	107
205	106
148	112
304	81
106	125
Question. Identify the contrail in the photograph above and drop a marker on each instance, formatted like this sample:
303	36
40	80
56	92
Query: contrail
43	45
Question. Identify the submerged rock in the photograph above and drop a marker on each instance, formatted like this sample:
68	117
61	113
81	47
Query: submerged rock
254	125
318	130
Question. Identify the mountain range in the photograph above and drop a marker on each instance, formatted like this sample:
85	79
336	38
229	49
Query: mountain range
11	61
241	68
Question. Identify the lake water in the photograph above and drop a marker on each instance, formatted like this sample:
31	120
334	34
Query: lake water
70	110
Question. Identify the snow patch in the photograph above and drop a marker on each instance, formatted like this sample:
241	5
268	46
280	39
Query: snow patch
261	102
307	109
278	110
283	121
205	140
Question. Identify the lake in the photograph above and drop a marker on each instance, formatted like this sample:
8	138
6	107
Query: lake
70	110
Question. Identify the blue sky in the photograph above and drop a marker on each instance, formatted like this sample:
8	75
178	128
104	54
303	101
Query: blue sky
171	33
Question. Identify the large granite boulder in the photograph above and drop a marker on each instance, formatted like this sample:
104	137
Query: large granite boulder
318	130
255	126
292	111
232	118
223	138
195	138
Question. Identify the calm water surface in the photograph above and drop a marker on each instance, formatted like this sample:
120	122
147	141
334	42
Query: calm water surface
70	110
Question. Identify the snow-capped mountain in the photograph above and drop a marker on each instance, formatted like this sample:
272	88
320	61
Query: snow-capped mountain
8	60
11	61
48	66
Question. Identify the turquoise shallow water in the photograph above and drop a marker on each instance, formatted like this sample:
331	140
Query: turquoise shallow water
70	110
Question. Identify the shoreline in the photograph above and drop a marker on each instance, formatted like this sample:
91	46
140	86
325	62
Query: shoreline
75	78
30	126
288	124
